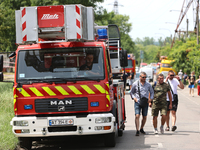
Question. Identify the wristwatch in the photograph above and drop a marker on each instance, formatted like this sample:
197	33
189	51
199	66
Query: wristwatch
179	80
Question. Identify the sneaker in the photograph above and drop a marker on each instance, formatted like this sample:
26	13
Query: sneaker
142	131
137	133
167	129
155	131
174	128
162	130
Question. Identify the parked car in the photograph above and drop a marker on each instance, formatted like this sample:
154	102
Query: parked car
143	65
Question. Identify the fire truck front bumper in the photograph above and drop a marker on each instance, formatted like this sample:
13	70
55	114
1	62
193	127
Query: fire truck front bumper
64	125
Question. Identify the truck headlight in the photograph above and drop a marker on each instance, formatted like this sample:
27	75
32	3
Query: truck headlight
21	123
103	120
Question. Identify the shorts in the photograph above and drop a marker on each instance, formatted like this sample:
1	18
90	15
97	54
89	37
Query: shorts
174	105
155	110
138	109
191	86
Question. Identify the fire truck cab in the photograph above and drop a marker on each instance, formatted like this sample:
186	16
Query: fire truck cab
63	82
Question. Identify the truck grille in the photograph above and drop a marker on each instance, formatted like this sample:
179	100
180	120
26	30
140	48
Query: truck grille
62	129
57	105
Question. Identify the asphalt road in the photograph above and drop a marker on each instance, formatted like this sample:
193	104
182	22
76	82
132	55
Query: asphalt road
186	137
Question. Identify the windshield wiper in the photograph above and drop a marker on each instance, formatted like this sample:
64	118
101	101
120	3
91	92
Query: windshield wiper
23	82
86	78
39	81
63	80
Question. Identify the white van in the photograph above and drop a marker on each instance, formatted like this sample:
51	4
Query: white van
149	71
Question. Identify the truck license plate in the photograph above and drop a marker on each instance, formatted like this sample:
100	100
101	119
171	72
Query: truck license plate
56	122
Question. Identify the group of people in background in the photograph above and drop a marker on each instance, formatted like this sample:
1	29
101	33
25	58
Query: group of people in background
191	82
162	97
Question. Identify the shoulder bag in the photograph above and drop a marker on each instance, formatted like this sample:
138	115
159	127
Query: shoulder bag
175	96
143	101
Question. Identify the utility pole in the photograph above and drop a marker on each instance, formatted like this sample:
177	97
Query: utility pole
187	21
171	38
197	21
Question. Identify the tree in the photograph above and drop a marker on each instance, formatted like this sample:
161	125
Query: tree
7	28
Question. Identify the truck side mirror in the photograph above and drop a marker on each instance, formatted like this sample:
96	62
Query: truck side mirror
1	76
136	62
1	63
123	58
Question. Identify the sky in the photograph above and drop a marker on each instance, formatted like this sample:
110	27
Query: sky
154	18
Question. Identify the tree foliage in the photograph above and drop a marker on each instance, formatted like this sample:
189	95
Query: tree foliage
186	55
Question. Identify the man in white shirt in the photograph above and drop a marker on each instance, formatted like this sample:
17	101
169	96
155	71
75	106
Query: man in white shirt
174	82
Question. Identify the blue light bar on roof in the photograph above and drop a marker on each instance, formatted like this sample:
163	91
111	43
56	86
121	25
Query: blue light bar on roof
102	33
129	55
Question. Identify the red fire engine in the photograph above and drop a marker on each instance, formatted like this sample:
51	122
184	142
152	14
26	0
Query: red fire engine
131	64
63	82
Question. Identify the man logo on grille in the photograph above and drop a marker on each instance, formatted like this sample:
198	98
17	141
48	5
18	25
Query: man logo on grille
66	102
61	108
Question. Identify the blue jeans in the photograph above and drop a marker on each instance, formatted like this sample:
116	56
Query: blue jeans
138	109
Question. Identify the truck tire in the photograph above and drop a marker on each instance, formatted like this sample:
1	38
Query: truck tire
120	132
25	142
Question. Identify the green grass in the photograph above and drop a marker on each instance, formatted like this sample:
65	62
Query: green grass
7	139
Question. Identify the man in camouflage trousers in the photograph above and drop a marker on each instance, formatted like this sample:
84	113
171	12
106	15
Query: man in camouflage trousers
159	102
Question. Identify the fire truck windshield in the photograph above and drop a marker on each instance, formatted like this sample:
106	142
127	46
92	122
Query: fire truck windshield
130	64
66	64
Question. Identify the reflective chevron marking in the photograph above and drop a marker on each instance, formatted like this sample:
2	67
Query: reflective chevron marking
15	96
107	85
23	92
74	89
14	101
35	91
100	88
49	91
61	90
108	97
87	89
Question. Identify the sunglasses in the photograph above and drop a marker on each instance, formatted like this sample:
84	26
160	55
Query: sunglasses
171	75
143	77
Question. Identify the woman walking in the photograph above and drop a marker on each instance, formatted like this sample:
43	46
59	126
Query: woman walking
191	80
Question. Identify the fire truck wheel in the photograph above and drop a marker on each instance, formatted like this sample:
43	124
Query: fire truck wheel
25	142
110	140
120	132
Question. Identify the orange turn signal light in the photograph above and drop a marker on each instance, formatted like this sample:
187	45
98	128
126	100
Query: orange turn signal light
18	131
107	127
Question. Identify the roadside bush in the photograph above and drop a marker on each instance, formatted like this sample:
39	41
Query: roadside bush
7	139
